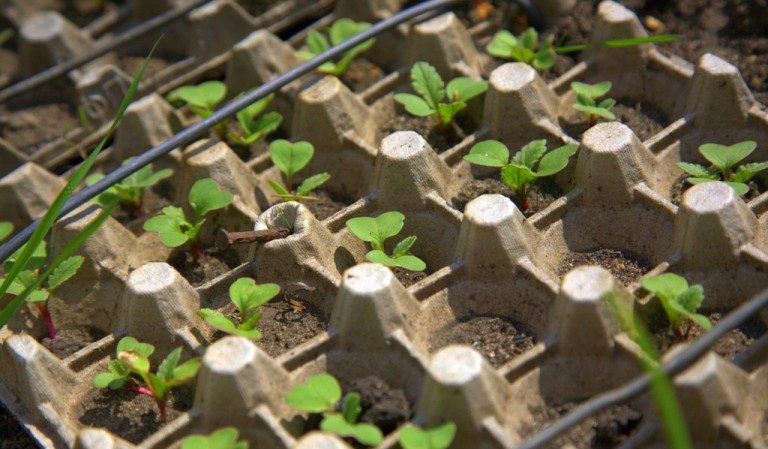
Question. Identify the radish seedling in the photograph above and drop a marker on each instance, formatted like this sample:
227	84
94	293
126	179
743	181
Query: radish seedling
172	226
131	370
29	275
680	301
248	297
723	159
129	191
341	30
379	229
586	100
290	158
321	393
524	48
225	438
440	437
6	228
437	100
518	173
253	125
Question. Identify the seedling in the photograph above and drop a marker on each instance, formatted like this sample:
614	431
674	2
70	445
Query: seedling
376	231
680	301
225	438
131	370
341	30
6	228
290	158
440	437
129	191
172	226
248	297
321	393
253	125
29	275
723	159
202	99
518	173
437	100
586	101
524	48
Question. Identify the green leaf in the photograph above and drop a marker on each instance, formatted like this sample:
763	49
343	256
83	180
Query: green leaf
169	230
691	298
697	170
6	228
280	190
247	116
166	367
246	294
185	372
134	361
517	176
225	438
367	434
440	437
147	178
262	127
529	38
591	90
465	88
409	262
312	183
131	344
608	103
404	246
427	83
377	230
351	408
502	44
218	320
316	42
556	160
665	286
317	394
739	187
530	153
522	54
724	157
701	320
414	105
344	29
206	95
290	157
65	271
489	153
109	380
449	110
594	110
544	58
206	196
745	172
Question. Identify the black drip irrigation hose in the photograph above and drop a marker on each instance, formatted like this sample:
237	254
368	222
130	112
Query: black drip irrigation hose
55	72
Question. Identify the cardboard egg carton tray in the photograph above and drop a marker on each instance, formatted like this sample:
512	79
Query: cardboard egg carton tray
487	260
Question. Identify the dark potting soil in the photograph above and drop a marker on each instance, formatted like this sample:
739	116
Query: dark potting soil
605	430
131	64
9	63
408	277
426	127
12	433
643	119
69	341
28	128
213	263
257	7
326	204
756	188
624	266
153	201
498	339
733	343
131	416
541	194
361	75
382	405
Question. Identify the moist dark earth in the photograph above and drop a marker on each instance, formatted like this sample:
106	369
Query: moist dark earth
498	339
69	341
12	434
541	194
440	139
213	263
624	266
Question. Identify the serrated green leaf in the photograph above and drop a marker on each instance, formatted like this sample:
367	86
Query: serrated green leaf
489	153
65	271
351	408
747	171
428	83
697	170
246	294
312	183
725	157
530	153
502	44
317	394
591	90
404	246
691	298
206	196
517	176
205	95
290	157
465	88
556	160
166	367
185	372
448	111
414	105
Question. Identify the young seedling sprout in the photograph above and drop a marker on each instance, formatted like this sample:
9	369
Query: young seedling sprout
172	226
518	172
29	275
440	437
524	48
6	228
129	191
248	297
253	125
131	370
586	101
376	231
321	393
437	100
679	300
723	158
290	158
224	438
341	30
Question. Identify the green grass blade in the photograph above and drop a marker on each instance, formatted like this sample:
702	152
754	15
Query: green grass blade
619	43
46	223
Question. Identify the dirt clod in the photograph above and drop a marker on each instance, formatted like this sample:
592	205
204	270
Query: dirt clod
498	339
382	405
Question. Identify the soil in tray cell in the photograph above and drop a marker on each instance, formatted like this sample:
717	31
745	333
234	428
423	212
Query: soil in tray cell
12	434
325	204
606	430
408	277
733	343
498	339
69	341
382	405
541	194
624	266
153	201
131	64
439	139
29	128
643	119
9	63
361	75
756	188
212	264
131	416
257	7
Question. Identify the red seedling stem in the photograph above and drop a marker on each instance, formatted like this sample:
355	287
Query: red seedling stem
197	253
46	316
148	392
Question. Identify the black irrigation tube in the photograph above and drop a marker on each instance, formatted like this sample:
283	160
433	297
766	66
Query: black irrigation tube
55	72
